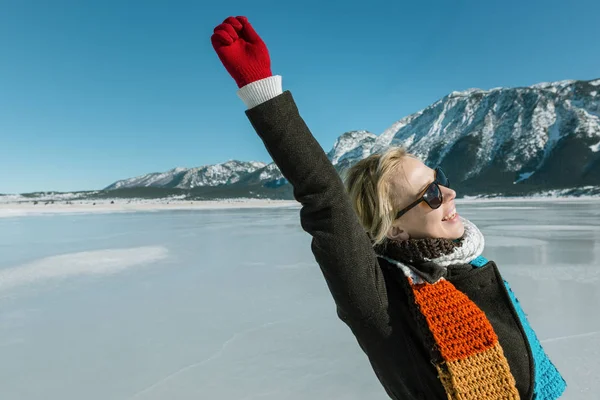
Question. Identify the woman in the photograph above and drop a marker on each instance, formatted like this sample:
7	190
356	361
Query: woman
435	318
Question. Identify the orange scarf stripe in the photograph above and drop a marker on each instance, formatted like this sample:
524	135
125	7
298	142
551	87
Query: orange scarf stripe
459	327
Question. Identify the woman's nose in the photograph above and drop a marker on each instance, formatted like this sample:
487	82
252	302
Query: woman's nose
448	193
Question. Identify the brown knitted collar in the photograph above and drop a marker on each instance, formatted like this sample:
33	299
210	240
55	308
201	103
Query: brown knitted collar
431	259
415	251
417	254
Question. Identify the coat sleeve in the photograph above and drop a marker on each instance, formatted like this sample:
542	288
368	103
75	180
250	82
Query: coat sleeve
339	243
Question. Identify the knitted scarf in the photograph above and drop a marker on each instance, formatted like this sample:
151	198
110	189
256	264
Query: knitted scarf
466	352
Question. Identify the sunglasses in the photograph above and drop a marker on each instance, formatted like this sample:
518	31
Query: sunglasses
433	194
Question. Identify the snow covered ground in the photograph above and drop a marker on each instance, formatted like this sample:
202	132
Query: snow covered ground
228	303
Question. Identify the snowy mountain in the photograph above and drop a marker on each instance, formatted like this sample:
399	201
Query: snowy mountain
539	137
352	146
502	140
268	176
183	178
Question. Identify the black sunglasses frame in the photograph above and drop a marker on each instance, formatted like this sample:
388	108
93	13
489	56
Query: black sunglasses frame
437	183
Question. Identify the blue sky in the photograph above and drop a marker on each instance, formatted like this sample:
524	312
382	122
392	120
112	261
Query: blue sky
93	92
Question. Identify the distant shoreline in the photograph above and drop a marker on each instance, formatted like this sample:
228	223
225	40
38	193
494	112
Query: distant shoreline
28	208
48	207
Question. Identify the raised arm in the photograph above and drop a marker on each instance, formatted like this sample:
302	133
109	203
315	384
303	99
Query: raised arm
340	245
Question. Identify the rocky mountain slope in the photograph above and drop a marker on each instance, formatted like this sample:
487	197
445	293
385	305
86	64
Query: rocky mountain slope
512	141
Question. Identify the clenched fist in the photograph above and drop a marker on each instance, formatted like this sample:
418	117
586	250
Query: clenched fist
241	50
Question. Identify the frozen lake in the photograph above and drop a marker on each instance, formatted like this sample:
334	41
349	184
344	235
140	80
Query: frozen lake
230	304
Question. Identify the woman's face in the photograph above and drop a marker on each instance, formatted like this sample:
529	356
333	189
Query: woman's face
407	185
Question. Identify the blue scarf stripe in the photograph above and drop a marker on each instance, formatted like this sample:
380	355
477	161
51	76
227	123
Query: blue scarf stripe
479	261
548	384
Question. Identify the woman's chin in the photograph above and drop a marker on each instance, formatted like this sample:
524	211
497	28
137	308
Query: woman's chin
460	230
454	227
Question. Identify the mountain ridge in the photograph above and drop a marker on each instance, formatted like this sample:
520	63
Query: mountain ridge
512	140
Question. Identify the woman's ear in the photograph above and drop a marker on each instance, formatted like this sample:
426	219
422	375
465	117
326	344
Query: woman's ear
397	233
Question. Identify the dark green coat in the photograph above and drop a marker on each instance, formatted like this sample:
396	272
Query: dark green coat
368	290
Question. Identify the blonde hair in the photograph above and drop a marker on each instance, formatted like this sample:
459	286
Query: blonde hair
368	186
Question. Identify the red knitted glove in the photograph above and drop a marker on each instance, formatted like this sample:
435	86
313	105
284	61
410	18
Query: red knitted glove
241	50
